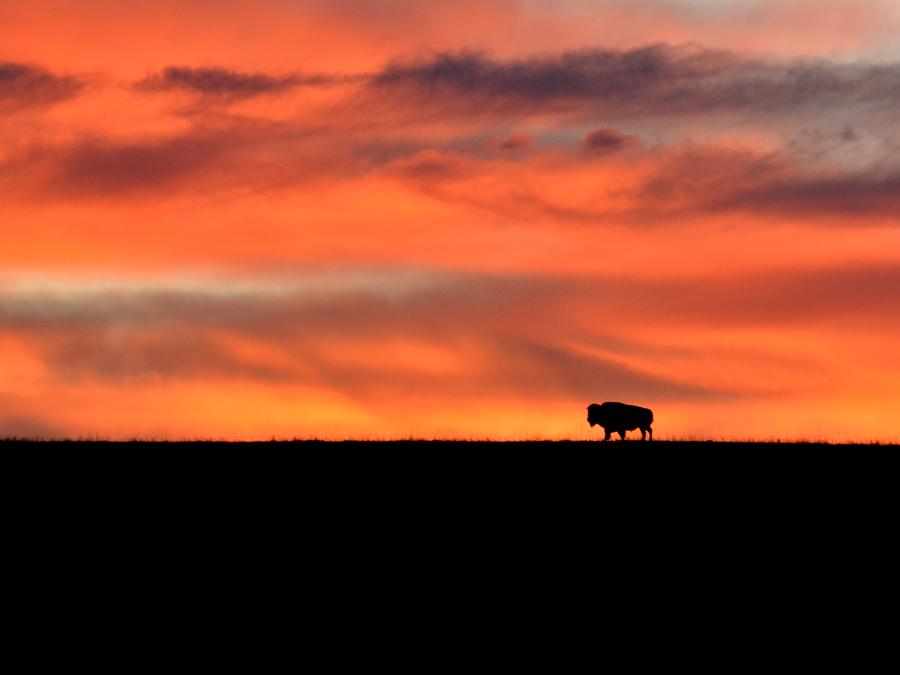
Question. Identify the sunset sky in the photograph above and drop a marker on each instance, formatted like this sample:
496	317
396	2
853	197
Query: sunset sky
335	218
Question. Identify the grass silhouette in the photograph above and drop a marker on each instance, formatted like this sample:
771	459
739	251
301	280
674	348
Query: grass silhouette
461	444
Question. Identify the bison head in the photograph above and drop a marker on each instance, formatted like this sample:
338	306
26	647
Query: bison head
595	414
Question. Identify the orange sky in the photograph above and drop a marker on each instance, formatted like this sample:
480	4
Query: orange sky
459	219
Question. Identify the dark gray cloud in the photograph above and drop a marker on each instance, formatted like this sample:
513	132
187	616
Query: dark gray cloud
652	81
606	141
710	180
583	74
229	84
649	82
868	196
25	85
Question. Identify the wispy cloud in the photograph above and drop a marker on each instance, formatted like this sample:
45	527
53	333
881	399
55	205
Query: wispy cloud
312	330
218	82
24	85
660	186
320	331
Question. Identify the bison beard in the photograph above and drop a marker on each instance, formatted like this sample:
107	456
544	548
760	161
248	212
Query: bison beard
620	417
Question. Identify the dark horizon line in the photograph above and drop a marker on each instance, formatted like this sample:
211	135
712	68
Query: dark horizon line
448	441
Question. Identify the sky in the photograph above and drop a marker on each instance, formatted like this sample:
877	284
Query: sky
284	218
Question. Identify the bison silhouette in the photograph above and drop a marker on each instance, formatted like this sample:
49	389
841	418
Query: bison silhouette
621	417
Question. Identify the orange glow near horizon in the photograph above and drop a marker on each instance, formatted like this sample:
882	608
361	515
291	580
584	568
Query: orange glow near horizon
461	219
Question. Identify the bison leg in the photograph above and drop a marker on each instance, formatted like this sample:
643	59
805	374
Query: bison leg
608	434
622	434
650	429
643	434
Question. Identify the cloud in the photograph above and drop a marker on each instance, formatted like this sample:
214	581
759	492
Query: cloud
227	84
659	186
107	167
841	198
647	82
605	141
327	331
709	180
536	369
99	168
861	295
656	183
517	142
24	85
360	333
239	155
116	355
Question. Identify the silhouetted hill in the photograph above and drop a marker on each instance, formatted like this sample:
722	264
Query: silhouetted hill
678	497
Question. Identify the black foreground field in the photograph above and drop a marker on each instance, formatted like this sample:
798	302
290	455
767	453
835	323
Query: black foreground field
616	479
528	460
465	461
565	491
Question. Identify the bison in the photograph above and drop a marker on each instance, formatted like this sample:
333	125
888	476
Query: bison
621	417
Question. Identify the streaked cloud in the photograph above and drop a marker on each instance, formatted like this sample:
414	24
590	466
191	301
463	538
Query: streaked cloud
108	333
227	84
649	82
24	85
